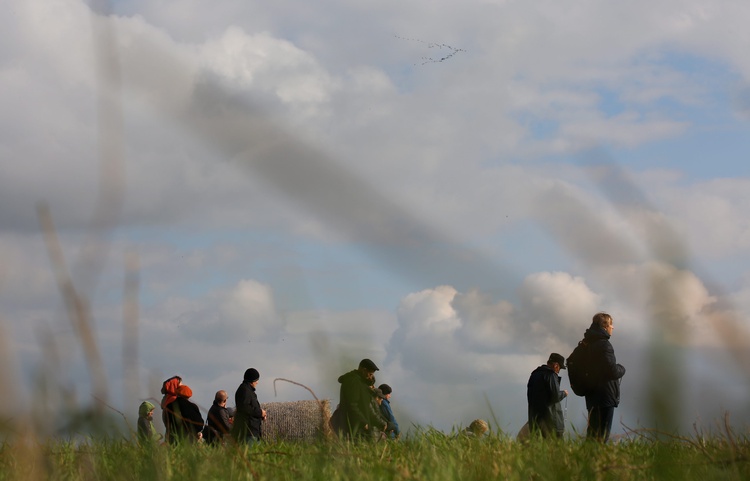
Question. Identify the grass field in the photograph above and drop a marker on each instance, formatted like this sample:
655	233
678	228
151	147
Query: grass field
428	455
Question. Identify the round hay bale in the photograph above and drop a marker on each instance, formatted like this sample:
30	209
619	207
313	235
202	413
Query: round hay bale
305	421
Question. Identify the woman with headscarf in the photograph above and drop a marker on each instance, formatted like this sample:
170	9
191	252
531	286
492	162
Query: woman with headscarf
184	417
169	390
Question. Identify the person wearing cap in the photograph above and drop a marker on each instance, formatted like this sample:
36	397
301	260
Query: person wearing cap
392	430
352	416
544	395
249	415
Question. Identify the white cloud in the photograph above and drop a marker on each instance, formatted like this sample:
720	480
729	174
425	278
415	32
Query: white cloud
711	214
261	62
485	324
661	299
430	311
556	305
466	336
251	304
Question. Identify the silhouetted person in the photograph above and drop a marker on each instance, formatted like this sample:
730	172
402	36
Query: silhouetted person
352	416
544	395
604	396
169	390
146	430
249	415
219	420
185	420
392	430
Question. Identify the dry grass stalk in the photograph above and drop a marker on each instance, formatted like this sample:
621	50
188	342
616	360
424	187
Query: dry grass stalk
130	317
78	308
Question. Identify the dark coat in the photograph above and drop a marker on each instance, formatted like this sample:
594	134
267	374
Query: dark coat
218	423
168	388
185	420
604	369
544	395
355	406
249	415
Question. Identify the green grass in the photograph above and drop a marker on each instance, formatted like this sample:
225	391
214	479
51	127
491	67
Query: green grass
429	455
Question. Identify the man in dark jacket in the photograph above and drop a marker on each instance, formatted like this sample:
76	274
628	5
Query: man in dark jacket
249	414
604	396
352	416
219	420
544	395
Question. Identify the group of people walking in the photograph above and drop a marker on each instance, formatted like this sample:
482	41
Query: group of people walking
599	383
183	420
364	411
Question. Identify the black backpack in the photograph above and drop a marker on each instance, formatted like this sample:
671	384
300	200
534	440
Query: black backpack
582	379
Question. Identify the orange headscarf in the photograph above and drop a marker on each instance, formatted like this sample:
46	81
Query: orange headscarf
170	391
184	391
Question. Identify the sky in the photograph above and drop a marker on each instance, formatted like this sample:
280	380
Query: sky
451	189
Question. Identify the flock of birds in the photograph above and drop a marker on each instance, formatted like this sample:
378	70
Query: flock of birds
451	51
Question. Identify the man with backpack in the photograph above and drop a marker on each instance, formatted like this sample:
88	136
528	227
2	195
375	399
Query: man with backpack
595	374
544	395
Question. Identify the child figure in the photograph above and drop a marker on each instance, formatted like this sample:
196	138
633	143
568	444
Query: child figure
392	430
146	430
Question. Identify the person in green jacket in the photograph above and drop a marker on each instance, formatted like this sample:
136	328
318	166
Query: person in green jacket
146	430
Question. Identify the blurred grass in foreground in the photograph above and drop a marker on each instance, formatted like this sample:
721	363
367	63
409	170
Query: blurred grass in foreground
427	455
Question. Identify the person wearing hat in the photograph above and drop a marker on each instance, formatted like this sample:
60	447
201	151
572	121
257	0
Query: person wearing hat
352	416
544	395
249	415
392	430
